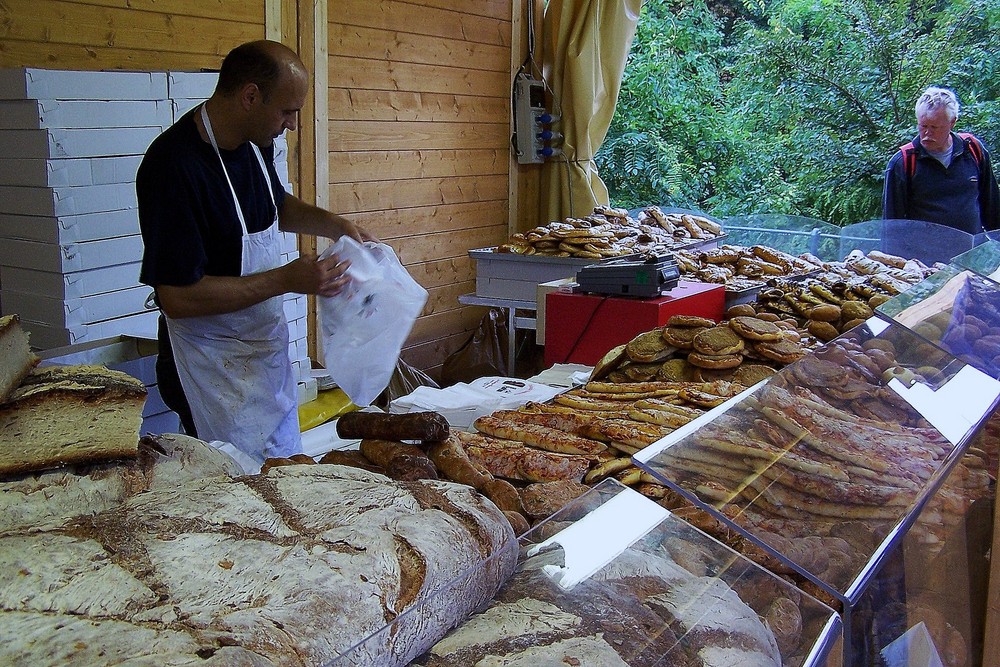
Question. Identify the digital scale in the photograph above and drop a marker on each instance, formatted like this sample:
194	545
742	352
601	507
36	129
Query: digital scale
629	276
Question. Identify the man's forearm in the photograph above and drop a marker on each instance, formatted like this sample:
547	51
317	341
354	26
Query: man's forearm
302	218
214	295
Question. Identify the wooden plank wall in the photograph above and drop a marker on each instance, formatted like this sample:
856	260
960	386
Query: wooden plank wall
133	35
419	135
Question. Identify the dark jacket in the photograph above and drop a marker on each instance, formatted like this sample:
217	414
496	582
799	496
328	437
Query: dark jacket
963	196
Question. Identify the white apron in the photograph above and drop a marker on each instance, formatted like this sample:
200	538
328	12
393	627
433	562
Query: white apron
234	367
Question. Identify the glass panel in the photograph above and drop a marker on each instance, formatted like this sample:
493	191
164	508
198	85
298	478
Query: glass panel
824	463
790	233
912	239
615	579
984	259
957	310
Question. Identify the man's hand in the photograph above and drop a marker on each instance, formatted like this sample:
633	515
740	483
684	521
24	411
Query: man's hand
308	275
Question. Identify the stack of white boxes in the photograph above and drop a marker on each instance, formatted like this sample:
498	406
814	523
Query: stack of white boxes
69	234
70	249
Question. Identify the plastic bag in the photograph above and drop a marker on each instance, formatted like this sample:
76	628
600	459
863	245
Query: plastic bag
364	327
405	380
482	355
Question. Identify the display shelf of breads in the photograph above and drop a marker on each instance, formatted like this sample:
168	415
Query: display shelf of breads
532	460
612	232
838	449
838	296
957	310
614	579
792	285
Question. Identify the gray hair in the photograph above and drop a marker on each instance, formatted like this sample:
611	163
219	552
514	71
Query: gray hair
938	98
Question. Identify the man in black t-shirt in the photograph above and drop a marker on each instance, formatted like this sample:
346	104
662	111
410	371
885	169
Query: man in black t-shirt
211	207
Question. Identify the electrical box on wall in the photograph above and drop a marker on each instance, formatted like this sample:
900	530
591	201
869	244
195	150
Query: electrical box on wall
532	121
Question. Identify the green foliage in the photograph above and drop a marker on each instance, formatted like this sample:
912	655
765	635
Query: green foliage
790	106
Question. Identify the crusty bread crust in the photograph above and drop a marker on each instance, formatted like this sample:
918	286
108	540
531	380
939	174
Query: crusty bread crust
168	559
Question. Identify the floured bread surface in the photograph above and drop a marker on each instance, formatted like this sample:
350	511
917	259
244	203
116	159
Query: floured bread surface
289	568
62	415
16	357
643	610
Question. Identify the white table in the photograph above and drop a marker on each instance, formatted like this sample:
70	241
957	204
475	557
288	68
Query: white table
514	321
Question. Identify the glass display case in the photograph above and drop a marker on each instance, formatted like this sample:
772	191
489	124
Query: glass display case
826	466
984	259
914	239
957	310
615	579
789	233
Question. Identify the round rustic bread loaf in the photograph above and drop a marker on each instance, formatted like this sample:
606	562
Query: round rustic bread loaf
171	560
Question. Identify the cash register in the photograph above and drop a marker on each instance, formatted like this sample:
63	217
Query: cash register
632	275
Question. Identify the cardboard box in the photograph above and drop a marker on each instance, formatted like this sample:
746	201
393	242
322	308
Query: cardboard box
70	285
543	290
67	200
512	276
164	422
61	230
296	307
20	83
129	354
46	336
191	85
62	172
582	328
80	310
70	257
89	142
34	114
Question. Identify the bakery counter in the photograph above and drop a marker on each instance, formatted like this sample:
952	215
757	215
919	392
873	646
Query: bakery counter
827	465
650	590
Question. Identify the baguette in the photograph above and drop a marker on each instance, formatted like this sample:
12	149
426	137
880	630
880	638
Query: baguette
454	463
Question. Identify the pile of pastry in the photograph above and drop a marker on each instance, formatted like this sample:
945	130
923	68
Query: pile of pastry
742	268
611	232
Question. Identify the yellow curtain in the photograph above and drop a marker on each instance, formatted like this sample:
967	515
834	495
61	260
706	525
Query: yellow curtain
585	46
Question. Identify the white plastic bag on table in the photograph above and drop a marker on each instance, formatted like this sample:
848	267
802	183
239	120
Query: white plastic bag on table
364	327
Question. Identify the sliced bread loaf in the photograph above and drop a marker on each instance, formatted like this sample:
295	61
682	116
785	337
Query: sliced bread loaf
61	415
16	357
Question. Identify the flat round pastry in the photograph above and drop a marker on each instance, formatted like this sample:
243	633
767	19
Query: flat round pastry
714	361
649	347
689	321
713	374
719	340
750	374
783	351
610	361
675	370
754	328
641	371
681	337
741	310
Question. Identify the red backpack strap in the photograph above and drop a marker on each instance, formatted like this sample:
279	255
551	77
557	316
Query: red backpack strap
974	146
909	159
